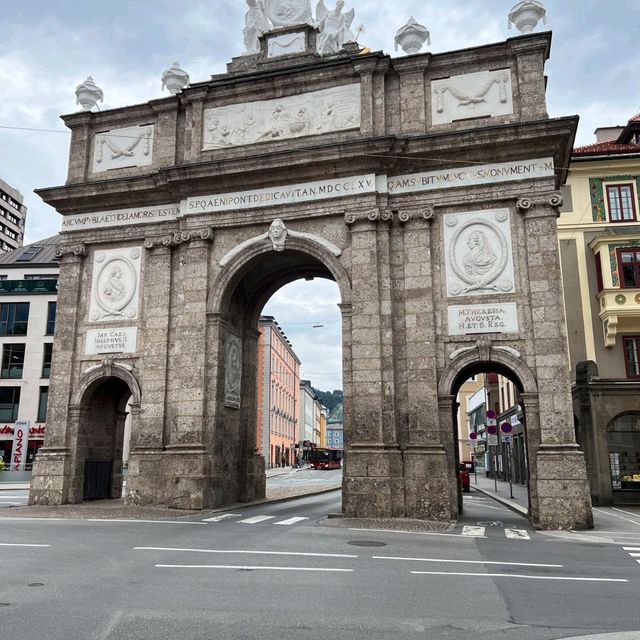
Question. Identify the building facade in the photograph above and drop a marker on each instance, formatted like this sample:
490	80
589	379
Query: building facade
335	435
435	216
13	215
278	395
599	233
28	295
468	447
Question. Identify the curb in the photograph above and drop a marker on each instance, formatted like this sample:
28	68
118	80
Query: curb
511	504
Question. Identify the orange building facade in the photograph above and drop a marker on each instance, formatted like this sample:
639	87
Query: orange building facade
278	395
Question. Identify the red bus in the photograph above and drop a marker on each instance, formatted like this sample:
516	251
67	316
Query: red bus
325	458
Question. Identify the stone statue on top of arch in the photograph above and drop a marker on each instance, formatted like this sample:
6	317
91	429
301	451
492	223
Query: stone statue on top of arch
256	23
334	26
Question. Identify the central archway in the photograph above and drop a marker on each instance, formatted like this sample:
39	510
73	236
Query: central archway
251	275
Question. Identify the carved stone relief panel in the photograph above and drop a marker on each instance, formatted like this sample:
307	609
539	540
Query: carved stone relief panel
472	95
115	285
306	114
121	148
286	43
233	372
479	253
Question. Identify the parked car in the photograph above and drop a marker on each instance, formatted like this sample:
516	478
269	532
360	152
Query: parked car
465	478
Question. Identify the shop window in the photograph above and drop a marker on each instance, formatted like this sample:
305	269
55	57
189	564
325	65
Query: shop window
9	403
12	360
51	318
620	198
42	404
14	318
631	346
46	360
623	439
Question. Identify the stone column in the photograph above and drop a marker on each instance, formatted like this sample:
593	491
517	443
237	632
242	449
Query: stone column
80	146
562	487
531	55
427	471
373	485
413	101
53	471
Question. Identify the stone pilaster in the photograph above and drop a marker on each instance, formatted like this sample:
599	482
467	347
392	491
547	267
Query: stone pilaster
413	101
531	55
373	462
561	489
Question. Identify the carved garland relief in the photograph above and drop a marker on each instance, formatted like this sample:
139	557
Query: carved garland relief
121	148
307	114
478	252
472	95
115	285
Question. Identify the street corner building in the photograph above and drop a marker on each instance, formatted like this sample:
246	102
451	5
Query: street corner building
425	186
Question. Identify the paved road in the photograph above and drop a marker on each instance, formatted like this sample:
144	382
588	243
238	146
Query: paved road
282	571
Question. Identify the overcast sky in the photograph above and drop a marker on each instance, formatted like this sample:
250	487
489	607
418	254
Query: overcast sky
50	46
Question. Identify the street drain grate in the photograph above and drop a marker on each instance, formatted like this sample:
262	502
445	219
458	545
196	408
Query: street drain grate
36	584
367	543
5	604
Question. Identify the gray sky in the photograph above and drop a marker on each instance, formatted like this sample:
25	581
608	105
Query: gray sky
50	46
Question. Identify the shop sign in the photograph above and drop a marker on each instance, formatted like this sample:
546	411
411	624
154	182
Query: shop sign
37	431
626	424
20	440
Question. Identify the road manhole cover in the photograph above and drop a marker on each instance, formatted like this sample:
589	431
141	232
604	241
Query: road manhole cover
367	543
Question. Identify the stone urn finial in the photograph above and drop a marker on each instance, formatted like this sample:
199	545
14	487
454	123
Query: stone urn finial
175	79
412	36
88	94
526	15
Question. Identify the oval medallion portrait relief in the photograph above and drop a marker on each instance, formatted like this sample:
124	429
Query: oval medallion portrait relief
116	285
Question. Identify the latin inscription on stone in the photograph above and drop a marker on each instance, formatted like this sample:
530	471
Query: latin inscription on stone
305	114
115	285
122	148
478	253
111	341
472	95
490	318
120	217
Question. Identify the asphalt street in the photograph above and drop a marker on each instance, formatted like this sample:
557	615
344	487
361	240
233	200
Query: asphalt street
284	570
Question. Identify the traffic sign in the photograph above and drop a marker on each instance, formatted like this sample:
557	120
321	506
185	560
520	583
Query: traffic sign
473	436
491	414
507	439
492	429
506	427
492	440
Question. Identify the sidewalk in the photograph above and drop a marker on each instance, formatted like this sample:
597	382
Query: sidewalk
520	501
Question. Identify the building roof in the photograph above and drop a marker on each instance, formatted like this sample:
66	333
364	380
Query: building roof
626	143
37	254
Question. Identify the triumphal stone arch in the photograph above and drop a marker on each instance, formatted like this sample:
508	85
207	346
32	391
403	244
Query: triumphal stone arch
426	186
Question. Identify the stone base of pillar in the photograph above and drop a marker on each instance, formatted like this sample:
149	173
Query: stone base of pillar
255	487
178	478
563	499
373	485
52	478
430	489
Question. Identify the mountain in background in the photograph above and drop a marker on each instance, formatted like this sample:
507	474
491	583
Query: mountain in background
332	400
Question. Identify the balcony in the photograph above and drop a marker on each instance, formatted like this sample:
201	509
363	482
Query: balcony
619	312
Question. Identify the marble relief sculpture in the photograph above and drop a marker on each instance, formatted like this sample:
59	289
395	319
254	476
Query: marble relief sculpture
335	27
256	23
287	13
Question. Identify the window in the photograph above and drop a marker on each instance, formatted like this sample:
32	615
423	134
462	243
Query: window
632	356
46	359
629	268
12	361
9	403
621	205
14	317
42	404
51	318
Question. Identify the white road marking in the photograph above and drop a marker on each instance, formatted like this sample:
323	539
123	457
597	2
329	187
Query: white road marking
290	521
517	534
133	521
15	504
256	519
629	513
474	532
414	533
251	552
635	555
617	516
515	575
250	568
16	544
487	506
224	516
631	548
510	564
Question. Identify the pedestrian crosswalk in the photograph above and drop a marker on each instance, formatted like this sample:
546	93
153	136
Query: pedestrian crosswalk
257	519
481	532
634	552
